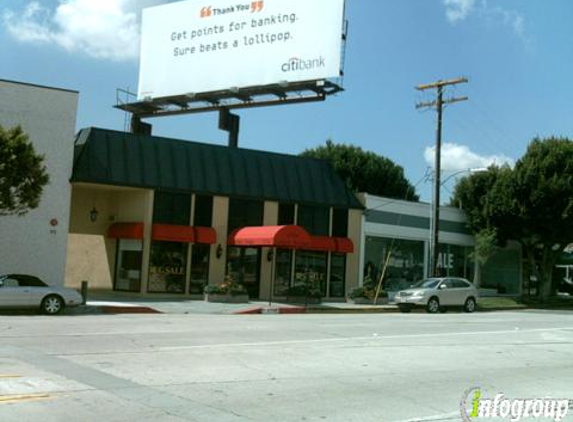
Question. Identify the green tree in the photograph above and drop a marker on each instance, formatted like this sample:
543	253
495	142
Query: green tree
532	204
365	171
22	173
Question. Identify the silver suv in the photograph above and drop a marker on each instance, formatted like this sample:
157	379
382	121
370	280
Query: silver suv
437	294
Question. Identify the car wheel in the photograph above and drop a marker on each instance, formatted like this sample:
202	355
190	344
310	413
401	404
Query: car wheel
406	309
433	305
52	305
470	305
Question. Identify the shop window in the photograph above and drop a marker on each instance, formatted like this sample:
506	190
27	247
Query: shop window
337	275
243	265
339	222
314	220
245	213
167	267
199	268
286	214
453	261
405	266
128	267
310	268
283	268
172	208
203	211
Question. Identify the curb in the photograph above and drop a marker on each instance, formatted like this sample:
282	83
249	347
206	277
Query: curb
258	310
128	310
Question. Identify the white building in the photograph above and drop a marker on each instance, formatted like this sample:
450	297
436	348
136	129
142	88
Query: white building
36	244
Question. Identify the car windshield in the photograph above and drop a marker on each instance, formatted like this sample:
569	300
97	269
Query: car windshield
429	283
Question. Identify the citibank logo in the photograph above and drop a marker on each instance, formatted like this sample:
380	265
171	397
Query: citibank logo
297	65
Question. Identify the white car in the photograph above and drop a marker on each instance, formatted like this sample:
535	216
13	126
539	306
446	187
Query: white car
437	294
26	291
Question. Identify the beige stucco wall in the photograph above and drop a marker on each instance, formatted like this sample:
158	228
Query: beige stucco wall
91	256
271	218
353	259
220	223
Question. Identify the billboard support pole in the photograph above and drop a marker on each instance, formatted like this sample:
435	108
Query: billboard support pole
231	123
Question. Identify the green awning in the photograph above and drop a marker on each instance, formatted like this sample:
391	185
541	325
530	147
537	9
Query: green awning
124	159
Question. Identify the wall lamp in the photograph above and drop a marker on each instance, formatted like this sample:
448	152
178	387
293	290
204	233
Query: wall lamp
93	215
219	251
270	255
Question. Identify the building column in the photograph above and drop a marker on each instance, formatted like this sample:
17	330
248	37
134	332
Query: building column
271	218
217	266
353	259
147	229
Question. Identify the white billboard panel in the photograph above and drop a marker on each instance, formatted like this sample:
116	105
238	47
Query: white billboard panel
199	46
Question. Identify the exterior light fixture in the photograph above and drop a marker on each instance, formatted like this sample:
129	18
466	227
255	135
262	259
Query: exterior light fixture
94	214
219	251
270	255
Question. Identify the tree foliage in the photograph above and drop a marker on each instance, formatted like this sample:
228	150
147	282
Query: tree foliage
532	203
22	173
365	171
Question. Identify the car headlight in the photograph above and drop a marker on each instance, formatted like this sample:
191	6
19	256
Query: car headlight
418	294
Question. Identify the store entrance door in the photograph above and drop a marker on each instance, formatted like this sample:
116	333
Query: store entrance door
244	264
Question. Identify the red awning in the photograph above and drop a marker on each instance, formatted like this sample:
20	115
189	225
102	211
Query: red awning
184	234
172	233
344	245
125	231
322	243
205	235
287	237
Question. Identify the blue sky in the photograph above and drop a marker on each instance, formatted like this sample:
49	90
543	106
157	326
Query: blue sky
517	54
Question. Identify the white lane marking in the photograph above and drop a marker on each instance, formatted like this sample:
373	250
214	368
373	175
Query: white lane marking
435	418
373	337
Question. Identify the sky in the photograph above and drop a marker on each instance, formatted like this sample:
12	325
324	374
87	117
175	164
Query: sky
516	54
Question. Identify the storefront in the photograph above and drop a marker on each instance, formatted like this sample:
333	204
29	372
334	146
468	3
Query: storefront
155	215
396	236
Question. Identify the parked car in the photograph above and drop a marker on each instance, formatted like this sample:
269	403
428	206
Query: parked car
437	294
26	291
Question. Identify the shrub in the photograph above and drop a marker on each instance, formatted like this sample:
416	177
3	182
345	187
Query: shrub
228	287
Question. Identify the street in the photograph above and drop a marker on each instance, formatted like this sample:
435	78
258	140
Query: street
327	367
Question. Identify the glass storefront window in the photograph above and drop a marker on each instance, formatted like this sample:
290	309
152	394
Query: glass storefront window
283	266
453	261
310	267
244	264
314	220
405	267
199	268
128	270
167	267
337	275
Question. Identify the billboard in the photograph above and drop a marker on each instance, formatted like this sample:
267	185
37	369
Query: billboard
199	46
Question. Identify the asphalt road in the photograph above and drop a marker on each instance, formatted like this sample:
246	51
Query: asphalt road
211	368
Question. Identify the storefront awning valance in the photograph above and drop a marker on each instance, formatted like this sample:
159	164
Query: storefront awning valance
287	237
205	235
183	234
125	231
322	243
344	245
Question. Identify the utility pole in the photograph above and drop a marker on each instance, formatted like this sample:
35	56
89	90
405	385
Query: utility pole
439	105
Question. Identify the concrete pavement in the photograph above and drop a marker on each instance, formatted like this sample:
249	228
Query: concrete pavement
358	367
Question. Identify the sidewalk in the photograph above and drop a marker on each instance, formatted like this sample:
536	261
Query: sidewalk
126	303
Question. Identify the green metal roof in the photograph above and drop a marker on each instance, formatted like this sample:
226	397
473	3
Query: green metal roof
124	159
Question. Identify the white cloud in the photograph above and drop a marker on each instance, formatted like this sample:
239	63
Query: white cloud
102	29
458	10
459	157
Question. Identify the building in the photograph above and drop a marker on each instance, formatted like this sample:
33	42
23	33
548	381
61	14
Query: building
398	232
157	215
37	243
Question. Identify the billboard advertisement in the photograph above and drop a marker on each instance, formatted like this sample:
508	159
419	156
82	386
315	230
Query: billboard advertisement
199	46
